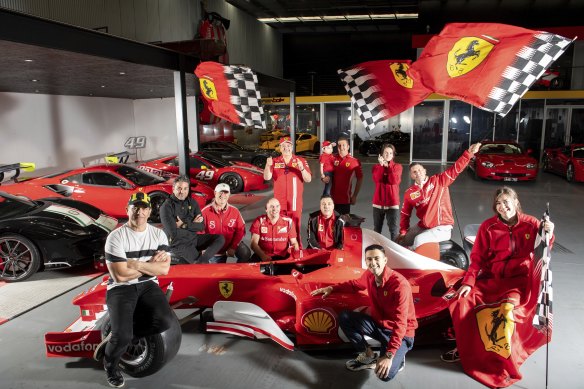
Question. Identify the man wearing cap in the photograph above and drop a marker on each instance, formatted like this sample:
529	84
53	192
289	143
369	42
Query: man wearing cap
347	170
325	227
289	172
224	219
272	235
136	253
182	220
327	166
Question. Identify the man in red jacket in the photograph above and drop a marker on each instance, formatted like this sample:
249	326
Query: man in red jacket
347	169
387	177
289	172
431	199
224	219
392	321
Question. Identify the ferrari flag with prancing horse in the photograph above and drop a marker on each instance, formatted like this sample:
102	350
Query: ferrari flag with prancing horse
488	65
382	89
231	93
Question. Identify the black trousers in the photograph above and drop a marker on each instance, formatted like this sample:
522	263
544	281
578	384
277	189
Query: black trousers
211	244
392	216
135	310
343	209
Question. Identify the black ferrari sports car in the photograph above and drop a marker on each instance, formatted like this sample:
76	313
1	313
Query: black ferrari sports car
234	152
40	234
400	140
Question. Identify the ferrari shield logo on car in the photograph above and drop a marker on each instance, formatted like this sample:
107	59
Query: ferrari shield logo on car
399	71
466	54
208	89
496	326
226	288
318	321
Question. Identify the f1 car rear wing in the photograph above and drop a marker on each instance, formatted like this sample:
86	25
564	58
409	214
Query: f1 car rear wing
16	168
121	157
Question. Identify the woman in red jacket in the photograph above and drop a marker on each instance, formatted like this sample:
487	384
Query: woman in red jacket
492	318
387	177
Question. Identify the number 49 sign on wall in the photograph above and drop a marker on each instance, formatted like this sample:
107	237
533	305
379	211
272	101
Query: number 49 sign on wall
135	142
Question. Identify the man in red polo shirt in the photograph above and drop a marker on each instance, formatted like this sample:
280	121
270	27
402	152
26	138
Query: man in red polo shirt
221	218
347	169
325	227
272	235
289	172
392	319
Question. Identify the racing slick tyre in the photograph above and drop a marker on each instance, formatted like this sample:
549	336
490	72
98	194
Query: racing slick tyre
234	181
145	356
19	258
316	148
570	173
453	255
259	161
157	199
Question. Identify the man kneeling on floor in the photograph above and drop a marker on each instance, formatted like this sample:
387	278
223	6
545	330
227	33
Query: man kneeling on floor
392	321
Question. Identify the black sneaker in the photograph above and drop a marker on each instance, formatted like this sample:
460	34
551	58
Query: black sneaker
115	379
450	356
362	362
100	349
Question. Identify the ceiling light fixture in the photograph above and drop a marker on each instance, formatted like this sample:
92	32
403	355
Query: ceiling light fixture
103	86
28	60
122	73
34	80
289	19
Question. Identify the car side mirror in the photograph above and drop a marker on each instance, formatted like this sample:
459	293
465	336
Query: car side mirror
529	151
123	184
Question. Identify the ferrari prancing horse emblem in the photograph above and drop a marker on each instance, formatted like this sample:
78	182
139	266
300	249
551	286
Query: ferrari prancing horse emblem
226	288
496	326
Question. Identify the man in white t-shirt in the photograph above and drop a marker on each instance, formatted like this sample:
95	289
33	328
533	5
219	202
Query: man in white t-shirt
135	254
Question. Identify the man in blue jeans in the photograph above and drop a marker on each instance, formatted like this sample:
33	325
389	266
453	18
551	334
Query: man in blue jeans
392	321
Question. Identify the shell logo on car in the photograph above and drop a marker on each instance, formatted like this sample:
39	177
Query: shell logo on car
318	321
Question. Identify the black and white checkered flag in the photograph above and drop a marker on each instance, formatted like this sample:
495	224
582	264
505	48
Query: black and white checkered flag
366	96
543	310
530	64
245	95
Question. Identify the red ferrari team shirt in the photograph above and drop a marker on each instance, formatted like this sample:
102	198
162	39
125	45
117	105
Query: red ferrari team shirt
325	231
288	183
327	161
227	222
346	171
274	238
392	304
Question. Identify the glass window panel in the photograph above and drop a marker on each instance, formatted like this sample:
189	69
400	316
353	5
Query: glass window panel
506	127
531	125
577	126
482	125
458	129
427	142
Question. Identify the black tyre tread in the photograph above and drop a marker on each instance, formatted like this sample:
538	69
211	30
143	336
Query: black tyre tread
36	259
155	215
239	187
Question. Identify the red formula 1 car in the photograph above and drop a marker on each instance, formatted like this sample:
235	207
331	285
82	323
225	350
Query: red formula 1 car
567	161
107	187
503	161
269	300
206	168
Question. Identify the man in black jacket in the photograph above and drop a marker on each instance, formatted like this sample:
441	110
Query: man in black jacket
182	220
325	227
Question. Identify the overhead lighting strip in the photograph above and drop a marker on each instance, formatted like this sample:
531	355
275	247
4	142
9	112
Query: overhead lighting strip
336	18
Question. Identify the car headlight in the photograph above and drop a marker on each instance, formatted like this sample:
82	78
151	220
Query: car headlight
488	164
531	166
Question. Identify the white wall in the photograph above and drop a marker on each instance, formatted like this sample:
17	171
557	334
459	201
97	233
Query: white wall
56	132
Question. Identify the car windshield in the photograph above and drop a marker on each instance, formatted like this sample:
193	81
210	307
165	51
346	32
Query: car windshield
579	152
214	161
500	148
139	177
11	206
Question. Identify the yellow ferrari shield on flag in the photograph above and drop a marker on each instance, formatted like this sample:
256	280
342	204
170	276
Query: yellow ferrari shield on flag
226	288
466	54
399	71
208	88
496	326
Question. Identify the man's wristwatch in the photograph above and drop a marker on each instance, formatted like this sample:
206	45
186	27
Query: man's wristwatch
389	355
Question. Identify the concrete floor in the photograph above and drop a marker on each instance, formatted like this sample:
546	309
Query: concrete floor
222	361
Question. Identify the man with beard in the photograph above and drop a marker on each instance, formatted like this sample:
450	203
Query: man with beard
347	169
182	220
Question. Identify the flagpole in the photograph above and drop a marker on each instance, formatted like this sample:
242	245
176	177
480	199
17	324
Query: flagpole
547	319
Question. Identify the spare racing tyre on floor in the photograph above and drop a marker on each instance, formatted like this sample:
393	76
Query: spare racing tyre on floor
147	355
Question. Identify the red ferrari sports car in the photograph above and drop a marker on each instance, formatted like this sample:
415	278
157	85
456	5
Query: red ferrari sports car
503	161
106	187
568	161
206	168
269	300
